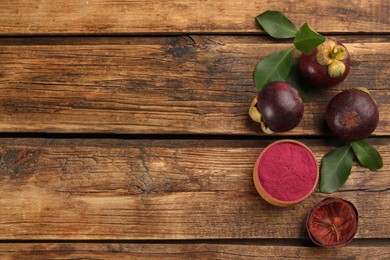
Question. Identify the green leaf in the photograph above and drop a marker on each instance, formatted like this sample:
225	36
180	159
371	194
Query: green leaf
367	155
307	39
296	80
277	25
272	68
335	168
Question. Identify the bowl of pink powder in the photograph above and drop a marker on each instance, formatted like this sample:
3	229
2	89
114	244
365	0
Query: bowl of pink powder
285	173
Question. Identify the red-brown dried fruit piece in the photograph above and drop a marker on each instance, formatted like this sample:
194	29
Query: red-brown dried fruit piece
332	222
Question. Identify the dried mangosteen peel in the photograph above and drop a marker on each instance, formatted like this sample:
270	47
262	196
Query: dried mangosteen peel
254	113
333	222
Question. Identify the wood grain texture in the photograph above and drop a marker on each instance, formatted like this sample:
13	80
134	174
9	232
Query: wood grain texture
162	189
162	85
205	250
189	16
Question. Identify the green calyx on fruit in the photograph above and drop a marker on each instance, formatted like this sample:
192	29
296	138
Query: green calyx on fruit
256	116
364	90
331	54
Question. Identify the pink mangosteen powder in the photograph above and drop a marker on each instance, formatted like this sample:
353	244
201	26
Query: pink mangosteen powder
287	171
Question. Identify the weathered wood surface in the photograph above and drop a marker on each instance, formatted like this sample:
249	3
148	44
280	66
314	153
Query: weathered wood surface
189	16
162	189
187	251
168	198
163	85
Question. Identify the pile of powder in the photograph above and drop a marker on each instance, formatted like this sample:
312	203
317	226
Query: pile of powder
287	171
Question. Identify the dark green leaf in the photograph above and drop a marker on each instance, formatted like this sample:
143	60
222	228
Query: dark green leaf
367	155
272	68
335	168
276	25
296	80
307	39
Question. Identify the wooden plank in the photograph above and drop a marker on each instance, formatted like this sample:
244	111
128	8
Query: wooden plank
186	251
162	189
168	85
189	16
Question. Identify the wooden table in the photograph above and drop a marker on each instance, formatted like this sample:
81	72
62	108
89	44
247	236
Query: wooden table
125	133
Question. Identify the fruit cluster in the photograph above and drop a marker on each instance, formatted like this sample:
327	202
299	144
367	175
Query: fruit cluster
351	115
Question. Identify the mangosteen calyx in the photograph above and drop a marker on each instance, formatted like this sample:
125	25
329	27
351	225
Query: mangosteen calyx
255	114
332	55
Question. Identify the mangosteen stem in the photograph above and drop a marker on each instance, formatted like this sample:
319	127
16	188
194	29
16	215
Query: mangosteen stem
333	53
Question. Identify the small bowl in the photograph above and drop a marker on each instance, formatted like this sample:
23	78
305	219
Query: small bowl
282	178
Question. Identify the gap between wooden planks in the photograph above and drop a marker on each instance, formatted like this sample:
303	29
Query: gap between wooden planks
90	189
185	16
161	85
187	250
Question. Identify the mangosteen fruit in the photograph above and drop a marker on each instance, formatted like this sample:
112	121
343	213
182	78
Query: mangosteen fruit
278	107
327	65
352	114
